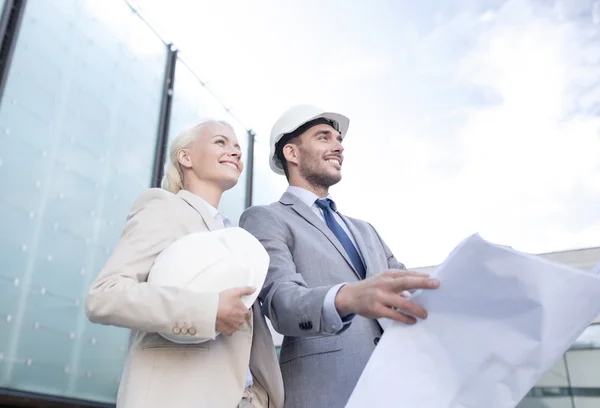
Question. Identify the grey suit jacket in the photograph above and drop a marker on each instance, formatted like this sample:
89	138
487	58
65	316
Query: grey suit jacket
319	370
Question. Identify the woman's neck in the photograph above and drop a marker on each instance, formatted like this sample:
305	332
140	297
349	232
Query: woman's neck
208	191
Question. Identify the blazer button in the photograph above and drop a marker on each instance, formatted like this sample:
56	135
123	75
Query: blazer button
305	325
376	340
184	330
192	331
176	330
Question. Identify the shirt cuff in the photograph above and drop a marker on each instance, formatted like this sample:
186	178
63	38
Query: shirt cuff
332	322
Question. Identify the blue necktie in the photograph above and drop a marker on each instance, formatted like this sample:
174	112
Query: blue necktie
328	206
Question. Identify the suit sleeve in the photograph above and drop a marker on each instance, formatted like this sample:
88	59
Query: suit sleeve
120	295
393	263
293	308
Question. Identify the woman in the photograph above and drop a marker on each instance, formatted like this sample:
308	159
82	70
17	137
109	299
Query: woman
233	370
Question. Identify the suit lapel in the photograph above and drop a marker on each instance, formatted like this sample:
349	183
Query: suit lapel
308	214
197	205
365	253
363	249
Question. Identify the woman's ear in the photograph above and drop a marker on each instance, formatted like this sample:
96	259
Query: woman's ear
184	158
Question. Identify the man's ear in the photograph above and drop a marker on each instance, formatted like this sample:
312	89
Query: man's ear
184	158
290	152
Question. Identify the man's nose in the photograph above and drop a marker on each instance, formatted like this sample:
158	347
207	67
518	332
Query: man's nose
338	147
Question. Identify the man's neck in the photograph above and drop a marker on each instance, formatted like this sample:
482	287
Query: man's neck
320	192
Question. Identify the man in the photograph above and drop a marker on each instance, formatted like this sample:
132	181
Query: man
332	282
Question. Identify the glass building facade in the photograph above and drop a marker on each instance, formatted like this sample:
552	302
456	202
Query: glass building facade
90	96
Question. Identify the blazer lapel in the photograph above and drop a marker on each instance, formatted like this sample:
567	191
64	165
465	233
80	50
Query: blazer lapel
308	214
197	205
363	249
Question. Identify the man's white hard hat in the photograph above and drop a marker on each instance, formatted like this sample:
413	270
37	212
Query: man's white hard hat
297	116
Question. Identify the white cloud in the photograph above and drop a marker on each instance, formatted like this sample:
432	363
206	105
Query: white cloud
525	153
518	158
352	63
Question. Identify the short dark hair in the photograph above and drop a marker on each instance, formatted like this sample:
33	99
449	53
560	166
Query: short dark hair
289	137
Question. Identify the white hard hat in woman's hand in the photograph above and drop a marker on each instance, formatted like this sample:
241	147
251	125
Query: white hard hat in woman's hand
211	262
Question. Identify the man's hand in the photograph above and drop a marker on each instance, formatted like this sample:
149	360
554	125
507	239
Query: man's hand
382	296
232	313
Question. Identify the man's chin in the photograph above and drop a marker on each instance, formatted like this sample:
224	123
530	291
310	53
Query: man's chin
334	179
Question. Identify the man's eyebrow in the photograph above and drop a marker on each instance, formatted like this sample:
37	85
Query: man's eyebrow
326	132
322	132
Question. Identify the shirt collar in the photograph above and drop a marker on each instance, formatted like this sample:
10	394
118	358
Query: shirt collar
307	197
212	210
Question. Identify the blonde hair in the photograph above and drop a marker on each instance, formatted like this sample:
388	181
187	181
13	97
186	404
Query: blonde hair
173	177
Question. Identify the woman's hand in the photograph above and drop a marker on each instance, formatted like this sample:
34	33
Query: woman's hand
232	313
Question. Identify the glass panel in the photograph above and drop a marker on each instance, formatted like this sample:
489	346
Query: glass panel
77	132
555	377
192	103
587	402
552	402
584	368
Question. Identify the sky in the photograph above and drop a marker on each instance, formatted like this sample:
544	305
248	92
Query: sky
470	116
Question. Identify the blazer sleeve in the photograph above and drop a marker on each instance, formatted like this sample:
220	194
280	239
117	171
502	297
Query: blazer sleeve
120	295
293	308
393	263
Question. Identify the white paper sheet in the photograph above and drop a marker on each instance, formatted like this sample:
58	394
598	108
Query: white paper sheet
596	269
500	319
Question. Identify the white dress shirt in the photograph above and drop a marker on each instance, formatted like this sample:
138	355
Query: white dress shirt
331	317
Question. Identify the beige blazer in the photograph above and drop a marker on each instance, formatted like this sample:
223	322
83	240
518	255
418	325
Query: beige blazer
159	373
